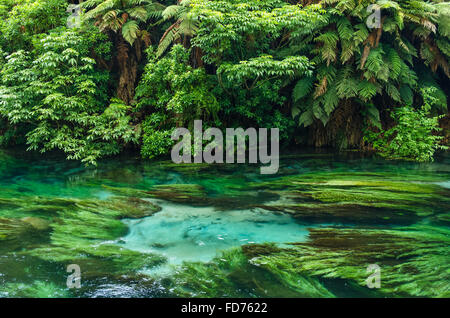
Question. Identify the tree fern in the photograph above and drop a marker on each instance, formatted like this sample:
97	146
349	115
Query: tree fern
330	100
367	90
306	118
406	95
302	88
372	114
186	25
394	62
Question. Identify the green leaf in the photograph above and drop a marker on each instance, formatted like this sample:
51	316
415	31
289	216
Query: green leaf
130	30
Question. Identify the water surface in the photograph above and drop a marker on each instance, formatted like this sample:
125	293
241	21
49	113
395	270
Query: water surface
140	229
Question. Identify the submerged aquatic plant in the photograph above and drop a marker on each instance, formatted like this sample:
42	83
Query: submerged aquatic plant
15	234
37	289
86	234
232	275
70	230
357	198
413	261
396	217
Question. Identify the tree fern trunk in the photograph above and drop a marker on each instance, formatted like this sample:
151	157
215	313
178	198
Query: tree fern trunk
444	123
343	130
127	65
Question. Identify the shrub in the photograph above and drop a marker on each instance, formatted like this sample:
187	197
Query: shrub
413	137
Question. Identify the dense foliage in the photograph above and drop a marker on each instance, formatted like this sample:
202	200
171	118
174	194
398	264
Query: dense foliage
326	73
412	137
173	94
58	99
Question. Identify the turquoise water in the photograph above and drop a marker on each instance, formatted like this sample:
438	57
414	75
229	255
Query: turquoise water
182	233
139	228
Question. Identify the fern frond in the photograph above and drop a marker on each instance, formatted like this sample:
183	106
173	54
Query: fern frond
167	39
395	63
130	31
373	115
393	92
330	100
367	90
406	94
139	13
306	118
171	12
302	88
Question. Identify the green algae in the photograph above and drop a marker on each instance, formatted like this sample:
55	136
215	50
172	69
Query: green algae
122	175
130	285
442	219
178	193
135	208
11	229
22	206
187	168
399	182
413	261
50	207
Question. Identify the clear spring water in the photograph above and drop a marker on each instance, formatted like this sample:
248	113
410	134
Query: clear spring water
180	231
183	233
